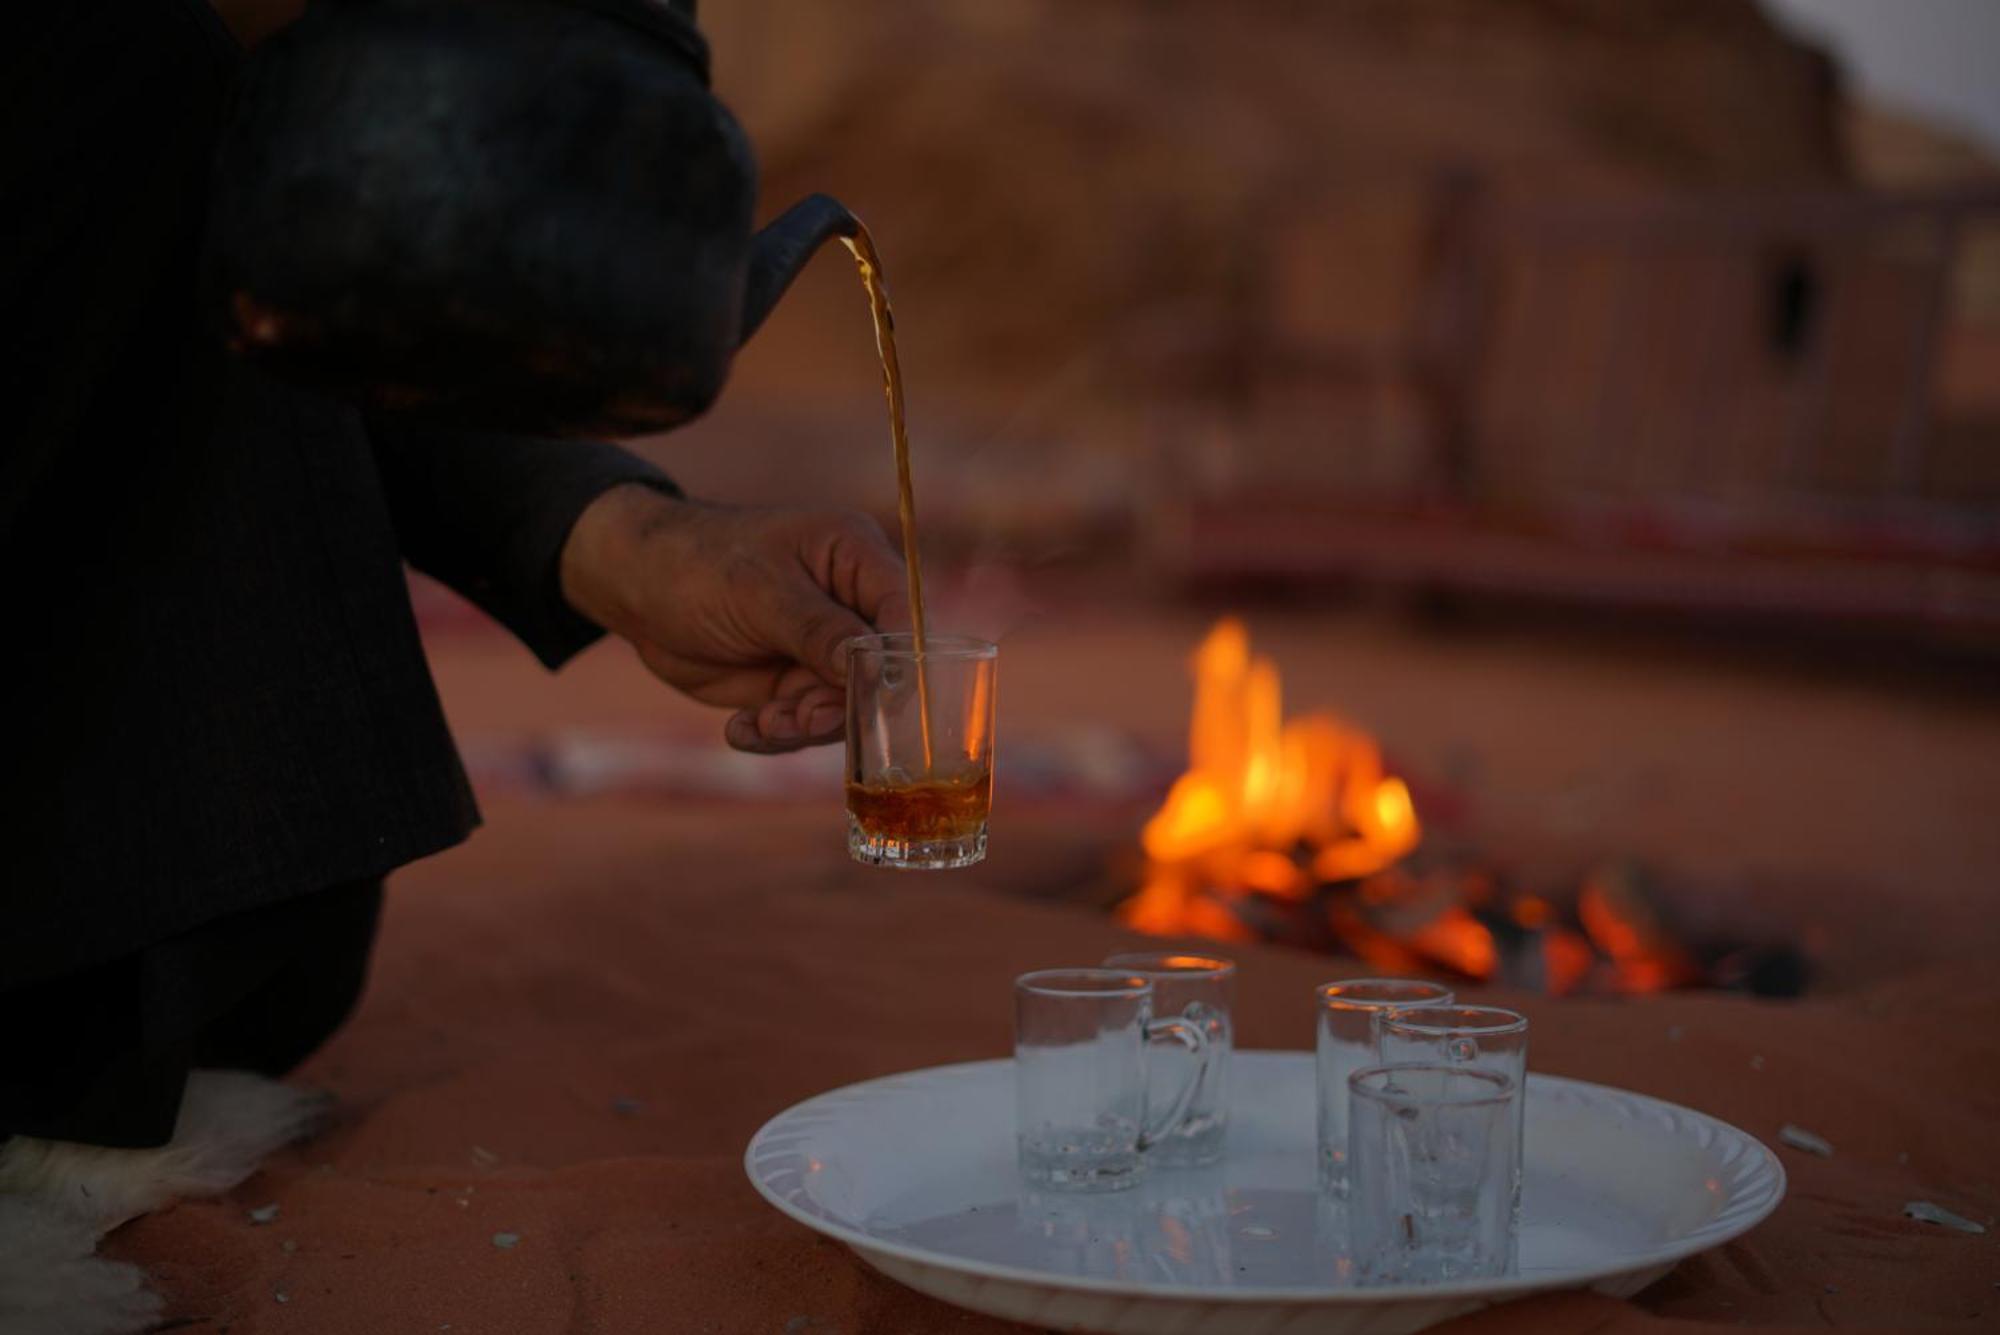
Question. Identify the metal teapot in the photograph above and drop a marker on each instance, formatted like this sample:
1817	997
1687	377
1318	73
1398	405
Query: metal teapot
523	213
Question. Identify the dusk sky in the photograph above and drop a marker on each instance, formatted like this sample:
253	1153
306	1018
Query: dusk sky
1937	57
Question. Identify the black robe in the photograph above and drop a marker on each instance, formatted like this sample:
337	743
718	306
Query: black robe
215	692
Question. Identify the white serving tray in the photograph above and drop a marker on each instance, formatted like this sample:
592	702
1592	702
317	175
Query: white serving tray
916	1173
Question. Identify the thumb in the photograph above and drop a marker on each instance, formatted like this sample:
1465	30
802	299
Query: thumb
812	627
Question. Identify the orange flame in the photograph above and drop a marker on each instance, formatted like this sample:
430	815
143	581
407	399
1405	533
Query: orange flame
1274	809
1258	790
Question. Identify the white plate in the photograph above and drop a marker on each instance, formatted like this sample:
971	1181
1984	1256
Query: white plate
916	1173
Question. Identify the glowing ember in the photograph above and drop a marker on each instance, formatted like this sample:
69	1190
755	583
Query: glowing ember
1622	925
1290	830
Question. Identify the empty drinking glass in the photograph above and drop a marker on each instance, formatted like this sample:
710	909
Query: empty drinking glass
1431	1156
1081	1038
1485	1038
1346	1042
1200	989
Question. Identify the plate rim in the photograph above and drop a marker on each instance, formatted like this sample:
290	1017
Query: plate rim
1512	1286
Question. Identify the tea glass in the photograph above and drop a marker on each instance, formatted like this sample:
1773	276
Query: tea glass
919	749
1081	1042
1483	1038
1432	1156
1201	989
1345	1043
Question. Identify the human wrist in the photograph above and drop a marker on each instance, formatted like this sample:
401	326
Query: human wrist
603	552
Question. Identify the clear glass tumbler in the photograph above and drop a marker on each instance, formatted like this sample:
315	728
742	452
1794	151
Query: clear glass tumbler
919	749
1081	1041
1346	1042
1484	1038
1201	989
1431	1158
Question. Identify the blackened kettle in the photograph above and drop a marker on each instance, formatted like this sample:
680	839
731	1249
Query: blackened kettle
521	213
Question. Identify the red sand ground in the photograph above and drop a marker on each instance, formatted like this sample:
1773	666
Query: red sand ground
578	1019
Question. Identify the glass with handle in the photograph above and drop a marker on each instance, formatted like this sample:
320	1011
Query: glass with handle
1344	1042
1200	988
1081	1045
1481	1038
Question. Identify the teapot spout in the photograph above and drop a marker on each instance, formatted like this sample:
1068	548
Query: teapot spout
782	248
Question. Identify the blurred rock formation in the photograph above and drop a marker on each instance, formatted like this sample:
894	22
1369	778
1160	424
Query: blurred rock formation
1146	247
1062	173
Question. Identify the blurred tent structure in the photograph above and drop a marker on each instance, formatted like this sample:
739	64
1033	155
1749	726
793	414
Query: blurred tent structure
1625	301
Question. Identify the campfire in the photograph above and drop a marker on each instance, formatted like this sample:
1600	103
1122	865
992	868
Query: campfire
1295	831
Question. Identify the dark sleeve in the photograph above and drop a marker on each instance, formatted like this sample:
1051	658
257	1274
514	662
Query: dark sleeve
489	514
107	108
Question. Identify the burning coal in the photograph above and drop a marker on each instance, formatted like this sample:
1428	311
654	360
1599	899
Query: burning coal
1293	831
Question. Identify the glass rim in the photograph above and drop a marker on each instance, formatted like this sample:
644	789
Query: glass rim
1123	983
903	644
1501	1089
1331	997
1505	1021
1166	964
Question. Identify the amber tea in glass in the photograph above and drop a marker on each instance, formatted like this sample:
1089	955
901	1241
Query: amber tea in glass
918	787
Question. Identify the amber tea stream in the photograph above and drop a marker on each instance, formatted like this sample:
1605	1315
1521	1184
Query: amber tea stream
862	246
910	803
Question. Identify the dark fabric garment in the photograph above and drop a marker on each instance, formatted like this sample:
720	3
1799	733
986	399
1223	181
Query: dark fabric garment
215	692
488	515
100	1056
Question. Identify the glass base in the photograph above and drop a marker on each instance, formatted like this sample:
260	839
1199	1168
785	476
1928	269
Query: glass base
1196	1145
1081	1168
1399	1263
876	850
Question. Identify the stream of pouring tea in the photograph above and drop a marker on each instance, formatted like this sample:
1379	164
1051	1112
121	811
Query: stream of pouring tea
862	247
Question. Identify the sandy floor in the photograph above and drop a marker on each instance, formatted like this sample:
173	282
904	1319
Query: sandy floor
578	1019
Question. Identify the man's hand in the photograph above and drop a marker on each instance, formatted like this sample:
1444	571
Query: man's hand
745	609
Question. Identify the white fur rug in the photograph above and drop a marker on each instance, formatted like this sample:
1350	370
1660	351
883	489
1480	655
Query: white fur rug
57	1200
